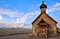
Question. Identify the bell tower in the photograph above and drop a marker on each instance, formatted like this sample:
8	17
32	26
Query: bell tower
43	7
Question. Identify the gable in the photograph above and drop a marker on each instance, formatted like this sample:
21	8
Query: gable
42	21
43	17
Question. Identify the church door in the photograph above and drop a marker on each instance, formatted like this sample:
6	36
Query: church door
42	29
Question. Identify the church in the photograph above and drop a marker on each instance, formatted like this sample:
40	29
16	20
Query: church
44	25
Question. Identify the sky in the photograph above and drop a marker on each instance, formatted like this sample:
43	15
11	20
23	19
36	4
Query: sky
26	11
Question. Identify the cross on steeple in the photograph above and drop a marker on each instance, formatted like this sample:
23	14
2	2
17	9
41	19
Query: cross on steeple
43	2
43	5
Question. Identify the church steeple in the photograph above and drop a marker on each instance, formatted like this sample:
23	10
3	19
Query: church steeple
43	7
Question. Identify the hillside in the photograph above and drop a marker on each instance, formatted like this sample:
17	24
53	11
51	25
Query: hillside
10	31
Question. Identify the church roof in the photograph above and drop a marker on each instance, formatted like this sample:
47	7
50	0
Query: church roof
47	15
43	6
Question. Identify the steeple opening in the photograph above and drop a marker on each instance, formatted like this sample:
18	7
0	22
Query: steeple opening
43	7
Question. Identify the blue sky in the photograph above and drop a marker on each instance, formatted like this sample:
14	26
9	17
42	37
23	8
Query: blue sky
25	11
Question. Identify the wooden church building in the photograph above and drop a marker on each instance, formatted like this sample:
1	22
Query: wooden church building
44	25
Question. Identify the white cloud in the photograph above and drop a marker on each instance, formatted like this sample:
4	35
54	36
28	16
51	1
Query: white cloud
17	20
27	16
19	17
1	18
54	8
22	18
13	14
9	12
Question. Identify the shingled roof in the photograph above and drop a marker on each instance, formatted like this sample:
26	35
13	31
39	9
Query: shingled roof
47	15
